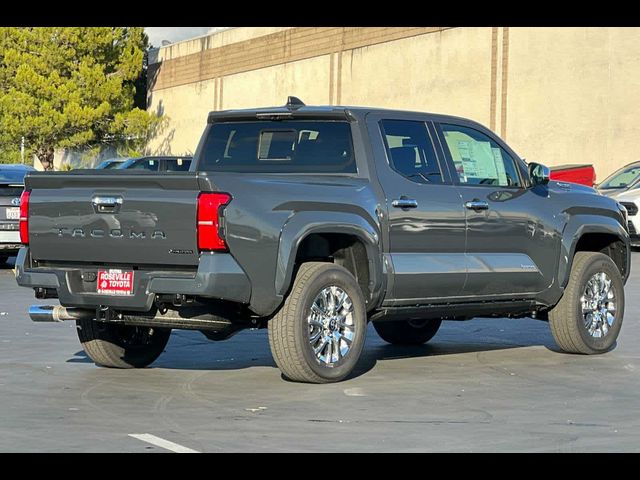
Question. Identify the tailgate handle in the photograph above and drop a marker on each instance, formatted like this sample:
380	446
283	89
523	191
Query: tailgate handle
106	204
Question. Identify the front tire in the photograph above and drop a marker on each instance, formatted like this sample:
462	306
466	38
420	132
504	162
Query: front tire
318	334
588	317
121	346
407	332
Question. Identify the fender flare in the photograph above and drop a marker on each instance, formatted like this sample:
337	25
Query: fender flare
576	228
303	224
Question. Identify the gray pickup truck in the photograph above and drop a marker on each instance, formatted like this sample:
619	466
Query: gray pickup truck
312	221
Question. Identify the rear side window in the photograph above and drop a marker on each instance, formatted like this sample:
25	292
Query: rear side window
410	151
279	147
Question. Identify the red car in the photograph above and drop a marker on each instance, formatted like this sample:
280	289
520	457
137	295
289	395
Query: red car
582	174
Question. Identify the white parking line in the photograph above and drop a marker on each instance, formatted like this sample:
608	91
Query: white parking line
162	443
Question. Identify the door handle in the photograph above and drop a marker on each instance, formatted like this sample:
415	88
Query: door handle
476	204
404	202
106	204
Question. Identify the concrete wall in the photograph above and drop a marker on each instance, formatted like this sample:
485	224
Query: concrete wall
557	95
574	95
446	71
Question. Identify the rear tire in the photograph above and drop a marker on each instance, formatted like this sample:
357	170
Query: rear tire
3	259
586	319
407	332
318	334
121	346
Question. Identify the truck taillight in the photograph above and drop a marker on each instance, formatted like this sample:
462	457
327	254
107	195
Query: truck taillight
209	209
24	217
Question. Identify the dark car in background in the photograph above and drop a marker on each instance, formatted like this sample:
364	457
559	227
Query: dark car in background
11	186
151	163
157	164
111	163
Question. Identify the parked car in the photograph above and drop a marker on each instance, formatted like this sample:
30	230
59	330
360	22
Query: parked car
111	163
625	178
581	174
157	164
312	221
622	185
11	187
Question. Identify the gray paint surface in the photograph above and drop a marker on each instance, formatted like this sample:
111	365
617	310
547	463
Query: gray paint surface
521	245
484	385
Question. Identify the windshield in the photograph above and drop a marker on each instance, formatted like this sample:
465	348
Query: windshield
623	178
15	175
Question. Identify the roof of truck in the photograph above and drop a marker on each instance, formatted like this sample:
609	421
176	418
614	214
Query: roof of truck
300	111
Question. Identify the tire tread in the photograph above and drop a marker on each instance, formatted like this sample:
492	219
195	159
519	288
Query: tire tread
287	352
562	318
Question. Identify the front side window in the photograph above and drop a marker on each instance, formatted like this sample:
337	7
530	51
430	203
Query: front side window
410	151
478	159
296	146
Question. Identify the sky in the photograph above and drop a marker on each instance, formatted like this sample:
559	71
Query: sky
174	34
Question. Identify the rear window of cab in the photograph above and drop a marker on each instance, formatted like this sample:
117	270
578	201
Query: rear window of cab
279	147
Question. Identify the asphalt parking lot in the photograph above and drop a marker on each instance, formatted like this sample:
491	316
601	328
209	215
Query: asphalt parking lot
484	385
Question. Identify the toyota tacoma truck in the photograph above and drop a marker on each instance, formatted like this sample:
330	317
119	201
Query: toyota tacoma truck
312	221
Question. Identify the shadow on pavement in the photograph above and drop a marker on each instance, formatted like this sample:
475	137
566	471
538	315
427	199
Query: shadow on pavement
189	350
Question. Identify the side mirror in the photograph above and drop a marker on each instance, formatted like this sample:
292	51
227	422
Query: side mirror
539	174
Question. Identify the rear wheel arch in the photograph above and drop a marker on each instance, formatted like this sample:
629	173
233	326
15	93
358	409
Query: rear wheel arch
348	250
353	245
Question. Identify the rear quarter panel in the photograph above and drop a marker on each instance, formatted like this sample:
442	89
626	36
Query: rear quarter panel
270	214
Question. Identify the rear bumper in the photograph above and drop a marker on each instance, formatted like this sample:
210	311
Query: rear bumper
9	241
218	276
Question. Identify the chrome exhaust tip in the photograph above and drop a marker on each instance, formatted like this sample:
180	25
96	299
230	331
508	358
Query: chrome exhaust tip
58	313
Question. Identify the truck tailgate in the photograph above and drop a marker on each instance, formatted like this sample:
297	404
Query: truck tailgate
103	217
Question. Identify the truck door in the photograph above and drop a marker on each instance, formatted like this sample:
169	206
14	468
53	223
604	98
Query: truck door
512	245
426	221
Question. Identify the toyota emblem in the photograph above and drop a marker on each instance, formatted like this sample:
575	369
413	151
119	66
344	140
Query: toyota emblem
16	202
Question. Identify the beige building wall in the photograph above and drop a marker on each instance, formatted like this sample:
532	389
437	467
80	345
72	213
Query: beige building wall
307	79
557	95
574	95
447	71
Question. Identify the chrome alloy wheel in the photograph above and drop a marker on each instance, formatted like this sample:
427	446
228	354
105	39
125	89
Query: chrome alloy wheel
331	325
598	305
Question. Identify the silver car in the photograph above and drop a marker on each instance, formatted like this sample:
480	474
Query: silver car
624	186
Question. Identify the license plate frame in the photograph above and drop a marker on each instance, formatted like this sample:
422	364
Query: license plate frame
115	282
12	213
